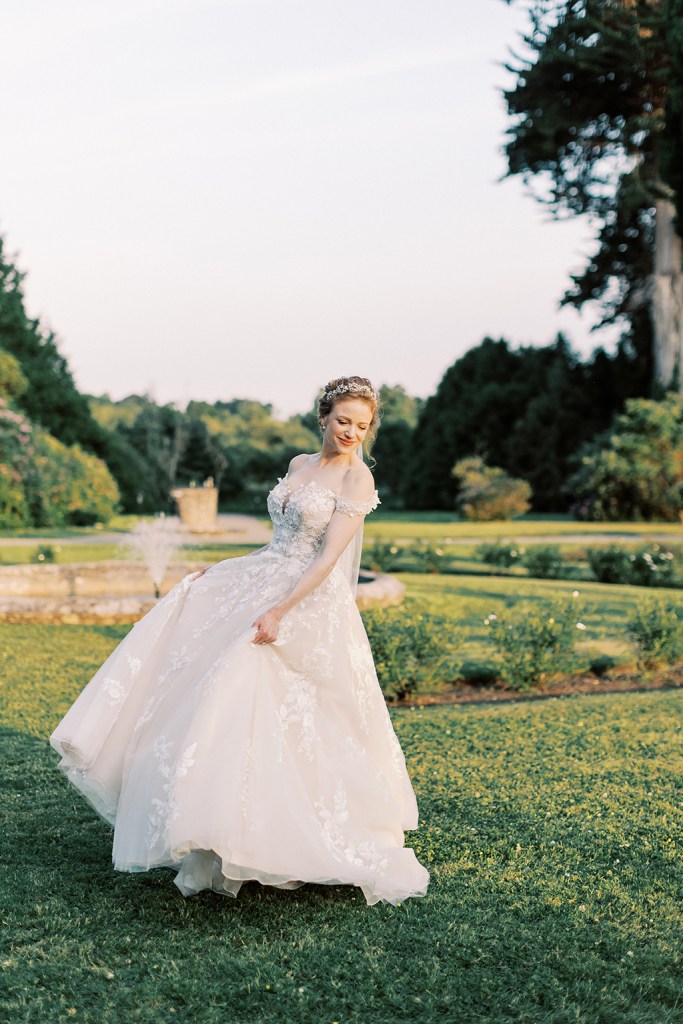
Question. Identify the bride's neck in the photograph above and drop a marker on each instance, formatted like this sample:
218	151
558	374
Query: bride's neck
333	458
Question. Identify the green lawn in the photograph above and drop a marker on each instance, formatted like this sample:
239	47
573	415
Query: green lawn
66	554
435	526
549	829
468	600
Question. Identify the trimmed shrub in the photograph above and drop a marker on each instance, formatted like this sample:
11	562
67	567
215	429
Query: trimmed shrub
44	553
381	556
545	561
648	567
652	567
429	558
411	649
487	492
610	564
535	640
502	555
656	629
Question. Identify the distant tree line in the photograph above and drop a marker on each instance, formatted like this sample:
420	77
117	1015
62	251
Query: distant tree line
533	412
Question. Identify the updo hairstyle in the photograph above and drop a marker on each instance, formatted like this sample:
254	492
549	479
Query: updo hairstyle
350	387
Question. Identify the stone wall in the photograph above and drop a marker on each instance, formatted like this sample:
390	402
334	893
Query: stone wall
87	579
113	592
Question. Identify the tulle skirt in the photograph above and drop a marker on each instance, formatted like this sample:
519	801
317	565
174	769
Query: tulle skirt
230	761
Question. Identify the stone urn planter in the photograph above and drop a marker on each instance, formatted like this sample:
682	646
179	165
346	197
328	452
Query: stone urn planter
197	507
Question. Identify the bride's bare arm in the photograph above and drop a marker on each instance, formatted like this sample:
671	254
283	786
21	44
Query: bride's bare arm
339	534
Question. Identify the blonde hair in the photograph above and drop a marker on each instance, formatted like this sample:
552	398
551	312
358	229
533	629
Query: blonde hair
350	387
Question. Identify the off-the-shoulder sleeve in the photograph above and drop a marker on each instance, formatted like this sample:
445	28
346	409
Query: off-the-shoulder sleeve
357	508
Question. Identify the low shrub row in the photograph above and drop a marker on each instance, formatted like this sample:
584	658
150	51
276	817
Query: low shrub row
648	566
383	556
411	649
531	642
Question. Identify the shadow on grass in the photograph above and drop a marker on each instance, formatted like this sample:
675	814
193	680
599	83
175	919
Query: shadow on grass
495	939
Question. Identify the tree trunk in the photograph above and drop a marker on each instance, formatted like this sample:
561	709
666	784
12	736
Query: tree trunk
667	299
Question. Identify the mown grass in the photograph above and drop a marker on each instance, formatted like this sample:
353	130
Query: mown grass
67	554
549	829
434	526
468	600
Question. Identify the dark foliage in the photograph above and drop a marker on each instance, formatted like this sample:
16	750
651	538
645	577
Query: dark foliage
527	410
597	127
52	398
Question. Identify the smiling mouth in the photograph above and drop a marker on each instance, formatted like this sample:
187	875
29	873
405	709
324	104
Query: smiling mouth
347	443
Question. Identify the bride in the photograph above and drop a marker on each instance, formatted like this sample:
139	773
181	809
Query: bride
238	732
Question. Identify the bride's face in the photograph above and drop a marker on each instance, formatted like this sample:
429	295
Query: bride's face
347	424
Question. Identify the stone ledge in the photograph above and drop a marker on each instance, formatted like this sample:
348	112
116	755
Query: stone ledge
53	604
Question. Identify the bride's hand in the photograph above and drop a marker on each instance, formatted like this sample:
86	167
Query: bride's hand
266	627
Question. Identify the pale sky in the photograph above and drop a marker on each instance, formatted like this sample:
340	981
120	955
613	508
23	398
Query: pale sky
244	198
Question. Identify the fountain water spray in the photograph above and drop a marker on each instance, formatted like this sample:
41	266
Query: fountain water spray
156	542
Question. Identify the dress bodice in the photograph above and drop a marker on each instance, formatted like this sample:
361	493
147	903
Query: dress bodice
301	516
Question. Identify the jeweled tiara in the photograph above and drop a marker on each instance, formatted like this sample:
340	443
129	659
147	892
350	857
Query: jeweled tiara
353	388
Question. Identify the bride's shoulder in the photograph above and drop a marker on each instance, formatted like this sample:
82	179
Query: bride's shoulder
298	462
359	483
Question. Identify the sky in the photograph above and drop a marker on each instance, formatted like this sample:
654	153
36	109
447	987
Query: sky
216	199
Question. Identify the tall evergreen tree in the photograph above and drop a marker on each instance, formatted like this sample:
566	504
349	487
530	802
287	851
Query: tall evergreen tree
526	410
597	129
52	398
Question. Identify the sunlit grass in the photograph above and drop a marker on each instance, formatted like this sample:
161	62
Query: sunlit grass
434	526
549	830
468	600
68	554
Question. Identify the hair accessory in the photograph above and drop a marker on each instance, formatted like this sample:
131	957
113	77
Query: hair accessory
353	388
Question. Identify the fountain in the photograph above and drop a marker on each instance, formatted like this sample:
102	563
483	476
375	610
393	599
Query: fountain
156	541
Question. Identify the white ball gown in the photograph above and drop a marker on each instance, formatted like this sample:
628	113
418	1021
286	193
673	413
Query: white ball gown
232	761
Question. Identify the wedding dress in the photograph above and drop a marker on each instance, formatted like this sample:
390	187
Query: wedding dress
232	761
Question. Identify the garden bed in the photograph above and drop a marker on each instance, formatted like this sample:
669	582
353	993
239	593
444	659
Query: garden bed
622	682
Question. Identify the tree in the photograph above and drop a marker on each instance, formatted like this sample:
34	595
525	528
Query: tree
527	410
635	469
68	486
487	492
598	130
52	398
392	446
158	435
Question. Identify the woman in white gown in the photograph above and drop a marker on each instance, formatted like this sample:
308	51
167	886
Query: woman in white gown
239	732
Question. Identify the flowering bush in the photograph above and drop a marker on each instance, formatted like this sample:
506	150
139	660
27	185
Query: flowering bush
545	561
656	629
15	457
381	556
411	649
45	553
535	640
652	567
487	492
68	485
500	554
45	483
429	558
648	567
